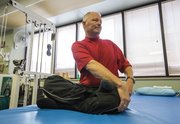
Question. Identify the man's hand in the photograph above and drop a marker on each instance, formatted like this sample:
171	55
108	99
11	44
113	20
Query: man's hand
124	96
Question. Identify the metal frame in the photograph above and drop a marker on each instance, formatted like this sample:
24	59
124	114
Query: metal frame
35	21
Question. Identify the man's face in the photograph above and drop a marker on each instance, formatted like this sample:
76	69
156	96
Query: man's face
92	25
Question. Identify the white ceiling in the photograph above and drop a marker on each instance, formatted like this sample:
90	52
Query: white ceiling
104	7
62	12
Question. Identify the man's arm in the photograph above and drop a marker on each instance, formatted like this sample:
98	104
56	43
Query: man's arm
101	72
128	71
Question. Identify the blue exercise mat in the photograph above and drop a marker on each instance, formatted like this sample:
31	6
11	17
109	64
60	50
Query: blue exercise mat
142	110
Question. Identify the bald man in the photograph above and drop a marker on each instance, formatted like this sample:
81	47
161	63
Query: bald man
100	89
99	60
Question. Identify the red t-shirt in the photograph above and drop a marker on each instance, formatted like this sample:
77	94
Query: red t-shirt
104	51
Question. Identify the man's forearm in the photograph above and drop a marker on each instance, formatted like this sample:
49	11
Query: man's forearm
101	72
129	73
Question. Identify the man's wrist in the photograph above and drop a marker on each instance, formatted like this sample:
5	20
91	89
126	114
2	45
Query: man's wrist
131	78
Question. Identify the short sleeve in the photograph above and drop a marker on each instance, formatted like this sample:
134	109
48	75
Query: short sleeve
122	62
81	55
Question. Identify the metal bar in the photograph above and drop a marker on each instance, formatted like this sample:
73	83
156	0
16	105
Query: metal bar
38	45
53	38
43	75
29	49
14	91
42	46
35	88
26	90
5	24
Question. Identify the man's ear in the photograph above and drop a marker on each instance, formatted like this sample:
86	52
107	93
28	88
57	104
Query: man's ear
83	23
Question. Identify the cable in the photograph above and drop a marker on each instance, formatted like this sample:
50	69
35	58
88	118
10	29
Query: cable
5	25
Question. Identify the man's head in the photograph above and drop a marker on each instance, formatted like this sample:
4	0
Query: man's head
92	24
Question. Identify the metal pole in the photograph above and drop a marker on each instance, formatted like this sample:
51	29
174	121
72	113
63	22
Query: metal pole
42	49
14	91
29	49
39	38
35	88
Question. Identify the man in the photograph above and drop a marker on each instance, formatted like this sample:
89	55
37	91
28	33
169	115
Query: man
99	60
100	90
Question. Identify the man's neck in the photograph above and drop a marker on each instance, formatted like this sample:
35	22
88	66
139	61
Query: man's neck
92	36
